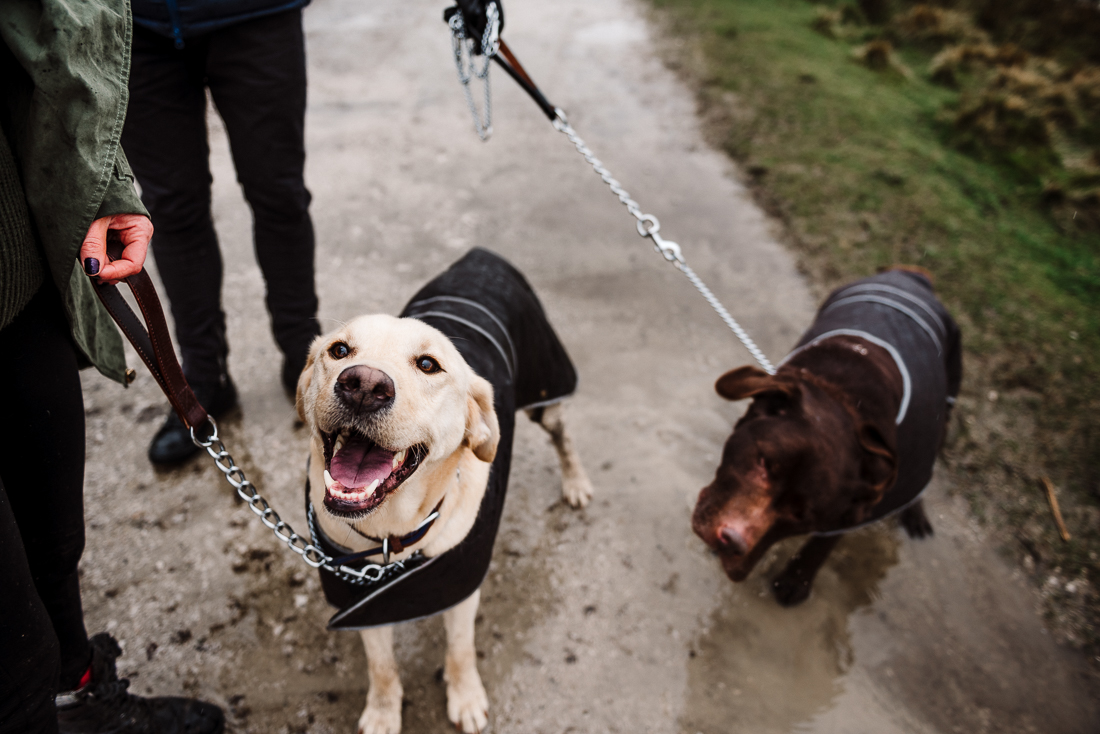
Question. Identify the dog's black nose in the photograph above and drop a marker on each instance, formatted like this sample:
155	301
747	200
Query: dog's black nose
731	540
364	389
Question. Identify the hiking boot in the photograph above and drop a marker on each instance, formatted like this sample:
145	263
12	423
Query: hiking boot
104	706
172	444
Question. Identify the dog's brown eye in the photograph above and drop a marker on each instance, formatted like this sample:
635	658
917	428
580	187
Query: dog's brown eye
428	365
339	350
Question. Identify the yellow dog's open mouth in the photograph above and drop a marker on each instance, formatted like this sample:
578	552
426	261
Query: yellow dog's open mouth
359	473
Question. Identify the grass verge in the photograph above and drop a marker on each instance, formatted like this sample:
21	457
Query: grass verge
860	165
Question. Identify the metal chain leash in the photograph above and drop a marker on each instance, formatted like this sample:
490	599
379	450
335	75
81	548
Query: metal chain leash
649	226
310	553
467	67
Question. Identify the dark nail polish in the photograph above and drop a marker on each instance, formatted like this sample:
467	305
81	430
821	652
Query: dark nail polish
91	266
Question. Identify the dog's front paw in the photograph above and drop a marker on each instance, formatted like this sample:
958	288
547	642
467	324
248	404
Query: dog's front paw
381	716
576	490
916	522
380	721
467	703
791	590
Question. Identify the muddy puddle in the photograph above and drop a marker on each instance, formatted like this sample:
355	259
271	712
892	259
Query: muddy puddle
899	636
757	667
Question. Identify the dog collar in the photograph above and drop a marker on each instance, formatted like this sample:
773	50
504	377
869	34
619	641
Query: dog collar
393	543
389	544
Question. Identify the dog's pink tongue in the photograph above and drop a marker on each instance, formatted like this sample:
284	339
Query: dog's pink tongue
359	463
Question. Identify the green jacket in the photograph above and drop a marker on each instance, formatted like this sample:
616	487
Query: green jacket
64	70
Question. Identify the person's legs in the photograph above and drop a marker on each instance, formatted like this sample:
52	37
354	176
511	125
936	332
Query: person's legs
28	677
256	72
165	141
41	515
44	647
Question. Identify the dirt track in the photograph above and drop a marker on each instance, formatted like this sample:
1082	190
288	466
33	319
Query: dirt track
610	619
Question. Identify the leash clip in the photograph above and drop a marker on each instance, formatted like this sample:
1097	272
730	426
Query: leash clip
669	250
649	226
211	437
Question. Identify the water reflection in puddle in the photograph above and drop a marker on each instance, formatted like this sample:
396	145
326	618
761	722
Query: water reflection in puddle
759	667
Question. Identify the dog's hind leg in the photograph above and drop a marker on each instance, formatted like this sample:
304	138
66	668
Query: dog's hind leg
383	712
575	487
793	585
467	704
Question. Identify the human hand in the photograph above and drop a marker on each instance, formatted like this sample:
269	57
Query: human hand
134	230
473	16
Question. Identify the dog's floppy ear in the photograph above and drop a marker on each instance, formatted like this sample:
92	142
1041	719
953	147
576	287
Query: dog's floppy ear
306	378
878	469
482	428
744	382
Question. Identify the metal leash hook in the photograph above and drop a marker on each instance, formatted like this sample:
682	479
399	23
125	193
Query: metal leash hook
649	226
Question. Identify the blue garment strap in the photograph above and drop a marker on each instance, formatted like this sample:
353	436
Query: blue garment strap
174	16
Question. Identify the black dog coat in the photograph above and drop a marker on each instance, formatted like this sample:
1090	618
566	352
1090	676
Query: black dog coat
488	310
899	311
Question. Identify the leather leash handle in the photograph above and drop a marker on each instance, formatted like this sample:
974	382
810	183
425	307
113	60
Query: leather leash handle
515	70
152	340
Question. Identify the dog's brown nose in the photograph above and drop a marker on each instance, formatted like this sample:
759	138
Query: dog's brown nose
364	389
732	540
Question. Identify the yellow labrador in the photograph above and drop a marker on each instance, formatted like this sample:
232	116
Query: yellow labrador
402	427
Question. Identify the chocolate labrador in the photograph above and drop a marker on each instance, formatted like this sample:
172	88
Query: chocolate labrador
843	434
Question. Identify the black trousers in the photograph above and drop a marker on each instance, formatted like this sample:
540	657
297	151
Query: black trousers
256	74
43	643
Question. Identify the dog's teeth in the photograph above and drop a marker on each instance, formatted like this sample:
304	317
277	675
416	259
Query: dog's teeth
329	481
373	486
399	458
339	443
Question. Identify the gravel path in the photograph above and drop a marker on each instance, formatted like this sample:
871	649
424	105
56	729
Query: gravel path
613	619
